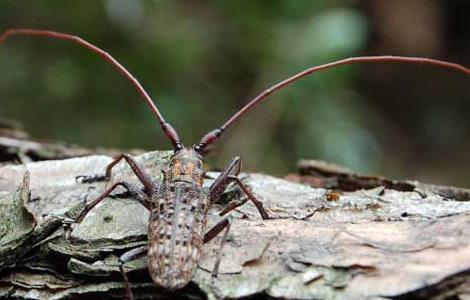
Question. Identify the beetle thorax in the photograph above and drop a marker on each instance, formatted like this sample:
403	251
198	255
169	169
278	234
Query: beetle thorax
185	166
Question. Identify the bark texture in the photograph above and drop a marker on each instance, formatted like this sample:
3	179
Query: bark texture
334	235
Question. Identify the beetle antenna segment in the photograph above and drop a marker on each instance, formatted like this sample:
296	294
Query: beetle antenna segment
213	135
169	131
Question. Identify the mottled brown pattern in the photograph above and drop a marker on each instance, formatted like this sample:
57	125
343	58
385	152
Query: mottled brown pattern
177	223
176	169
185	167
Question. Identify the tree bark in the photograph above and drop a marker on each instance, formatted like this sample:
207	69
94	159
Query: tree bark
334	234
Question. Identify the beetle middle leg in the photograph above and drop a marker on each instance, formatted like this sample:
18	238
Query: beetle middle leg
228	175
144	178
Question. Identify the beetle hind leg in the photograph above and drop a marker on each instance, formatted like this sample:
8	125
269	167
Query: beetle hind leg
223	224
128	256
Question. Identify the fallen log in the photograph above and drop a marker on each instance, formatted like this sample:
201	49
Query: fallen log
323	242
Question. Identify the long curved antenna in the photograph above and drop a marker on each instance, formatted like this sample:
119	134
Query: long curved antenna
169	131
213	135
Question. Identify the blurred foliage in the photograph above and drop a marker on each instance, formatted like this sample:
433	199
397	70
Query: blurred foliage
202	60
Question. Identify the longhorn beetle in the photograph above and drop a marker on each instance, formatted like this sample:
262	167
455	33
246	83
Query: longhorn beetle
178	205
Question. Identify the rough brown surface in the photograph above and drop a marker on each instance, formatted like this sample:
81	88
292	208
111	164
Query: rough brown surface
365	243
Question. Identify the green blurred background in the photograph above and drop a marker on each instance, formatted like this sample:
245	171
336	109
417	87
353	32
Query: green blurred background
202	60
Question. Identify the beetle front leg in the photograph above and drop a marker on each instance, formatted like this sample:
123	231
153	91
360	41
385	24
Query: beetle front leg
228	175
140	172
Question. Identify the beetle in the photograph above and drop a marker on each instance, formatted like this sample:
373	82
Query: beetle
178	206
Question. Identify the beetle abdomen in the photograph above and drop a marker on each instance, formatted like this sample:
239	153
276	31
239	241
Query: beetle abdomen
176	230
